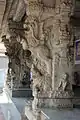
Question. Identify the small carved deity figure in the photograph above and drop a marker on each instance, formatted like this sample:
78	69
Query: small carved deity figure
26	79
76	78
64	82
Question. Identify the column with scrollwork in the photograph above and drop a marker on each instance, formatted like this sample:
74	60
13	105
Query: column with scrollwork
48	37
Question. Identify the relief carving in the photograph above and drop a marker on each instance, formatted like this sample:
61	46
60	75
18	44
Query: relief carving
46	35
48	31
64	82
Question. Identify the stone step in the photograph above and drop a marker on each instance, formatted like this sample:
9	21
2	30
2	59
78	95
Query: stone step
22	93
76	103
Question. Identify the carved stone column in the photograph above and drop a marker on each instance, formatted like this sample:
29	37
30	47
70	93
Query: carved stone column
48	37
63	68
46	33
12	53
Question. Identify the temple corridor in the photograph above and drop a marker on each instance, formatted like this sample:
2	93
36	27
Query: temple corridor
41	78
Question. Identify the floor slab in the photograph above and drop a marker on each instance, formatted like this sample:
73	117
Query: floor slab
8	108
60	114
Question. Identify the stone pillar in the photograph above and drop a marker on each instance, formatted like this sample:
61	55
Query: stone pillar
46	34
48	37
62	81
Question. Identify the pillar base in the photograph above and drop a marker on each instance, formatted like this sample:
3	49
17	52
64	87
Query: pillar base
19	92
58	99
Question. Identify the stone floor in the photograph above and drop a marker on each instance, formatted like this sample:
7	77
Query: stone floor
56	114
12	109
8	110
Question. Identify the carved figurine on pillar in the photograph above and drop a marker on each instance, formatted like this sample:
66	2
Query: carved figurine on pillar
26	79
64	83
63	93
35	101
